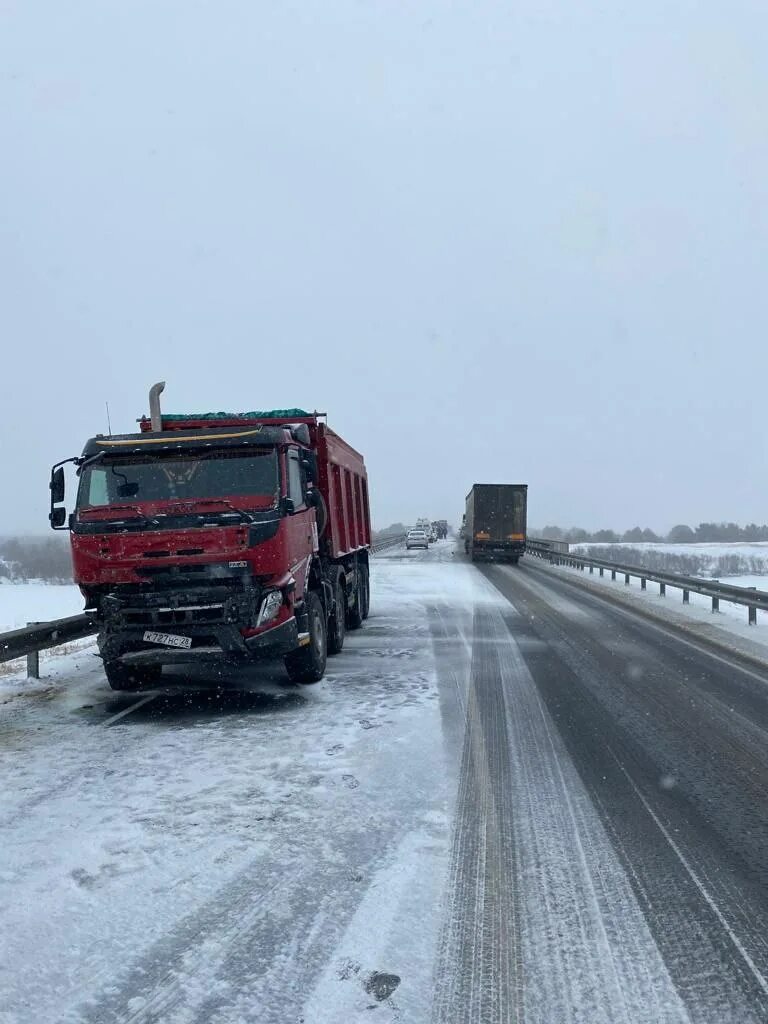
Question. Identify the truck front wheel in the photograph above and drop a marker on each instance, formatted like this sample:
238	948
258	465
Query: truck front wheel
128	677
307	665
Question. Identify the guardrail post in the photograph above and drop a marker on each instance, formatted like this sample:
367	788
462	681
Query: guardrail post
662	590
686	596
602	573
752	615
613	574
643	583
591	570
626	578
33	661
715	604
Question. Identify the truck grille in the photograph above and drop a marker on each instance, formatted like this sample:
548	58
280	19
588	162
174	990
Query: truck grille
173	616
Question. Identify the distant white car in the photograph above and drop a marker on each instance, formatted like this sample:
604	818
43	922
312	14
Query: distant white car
416	539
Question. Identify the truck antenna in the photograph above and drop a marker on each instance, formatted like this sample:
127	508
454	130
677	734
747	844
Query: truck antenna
109	425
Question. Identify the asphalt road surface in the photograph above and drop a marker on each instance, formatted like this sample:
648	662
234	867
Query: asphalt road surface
509	801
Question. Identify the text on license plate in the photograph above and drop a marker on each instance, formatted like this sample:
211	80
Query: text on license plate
169	639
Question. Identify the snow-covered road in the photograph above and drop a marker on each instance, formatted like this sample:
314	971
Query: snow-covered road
507	801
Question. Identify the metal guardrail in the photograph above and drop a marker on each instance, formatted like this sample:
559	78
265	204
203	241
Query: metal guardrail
39	636
751	598
549	545
387	542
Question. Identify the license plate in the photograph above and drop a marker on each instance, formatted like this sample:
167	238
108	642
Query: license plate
168	639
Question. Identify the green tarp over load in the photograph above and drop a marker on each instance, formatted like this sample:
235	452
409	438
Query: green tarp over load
272	414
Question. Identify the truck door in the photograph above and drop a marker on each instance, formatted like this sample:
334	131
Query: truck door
300	529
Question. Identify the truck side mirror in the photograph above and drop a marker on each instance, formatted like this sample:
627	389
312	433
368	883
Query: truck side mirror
57	486
58	514
309	465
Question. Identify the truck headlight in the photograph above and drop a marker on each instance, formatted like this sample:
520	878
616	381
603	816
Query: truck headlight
270	606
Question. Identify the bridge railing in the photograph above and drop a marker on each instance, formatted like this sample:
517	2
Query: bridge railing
750	597
387	542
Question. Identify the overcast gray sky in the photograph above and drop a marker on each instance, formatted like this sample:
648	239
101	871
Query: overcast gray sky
495	241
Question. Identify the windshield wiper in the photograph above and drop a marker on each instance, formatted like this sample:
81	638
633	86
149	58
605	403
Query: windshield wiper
127	508
225	501
169	509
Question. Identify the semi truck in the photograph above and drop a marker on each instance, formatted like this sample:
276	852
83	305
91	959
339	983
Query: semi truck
219	537
496	521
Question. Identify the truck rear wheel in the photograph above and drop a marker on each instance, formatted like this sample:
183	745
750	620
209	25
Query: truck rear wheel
129	677
307	665
366	591
337	624
355	613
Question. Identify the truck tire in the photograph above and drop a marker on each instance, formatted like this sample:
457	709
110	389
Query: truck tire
307	665
128	677
366	591
355	613
337	623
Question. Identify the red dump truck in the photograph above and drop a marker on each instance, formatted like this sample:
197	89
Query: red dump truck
219	537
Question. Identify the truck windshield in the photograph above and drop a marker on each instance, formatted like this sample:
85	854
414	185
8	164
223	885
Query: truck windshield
157	479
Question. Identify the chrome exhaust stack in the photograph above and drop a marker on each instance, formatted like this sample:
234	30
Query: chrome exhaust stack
154	405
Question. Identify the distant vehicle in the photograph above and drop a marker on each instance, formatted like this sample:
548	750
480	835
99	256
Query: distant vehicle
219	537
425	526
416	539
496	522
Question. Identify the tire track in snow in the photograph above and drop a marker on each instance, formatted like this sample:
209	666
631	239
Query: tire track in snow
478	977
541	922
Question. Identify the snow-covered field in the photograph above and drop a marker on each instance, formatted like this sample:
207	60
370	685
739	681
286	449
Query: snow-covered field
757	548
711	560
21	603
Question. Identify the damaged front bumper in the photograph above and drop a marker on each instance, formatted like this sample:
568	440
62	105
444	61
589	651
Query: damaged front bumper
212	621
272	643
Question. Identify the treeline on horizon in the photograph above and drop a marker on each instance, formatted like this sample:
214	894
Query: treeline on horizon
35	558
711	533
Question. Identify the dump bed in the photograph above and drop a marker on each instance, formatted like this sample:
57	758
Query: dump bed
344	486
